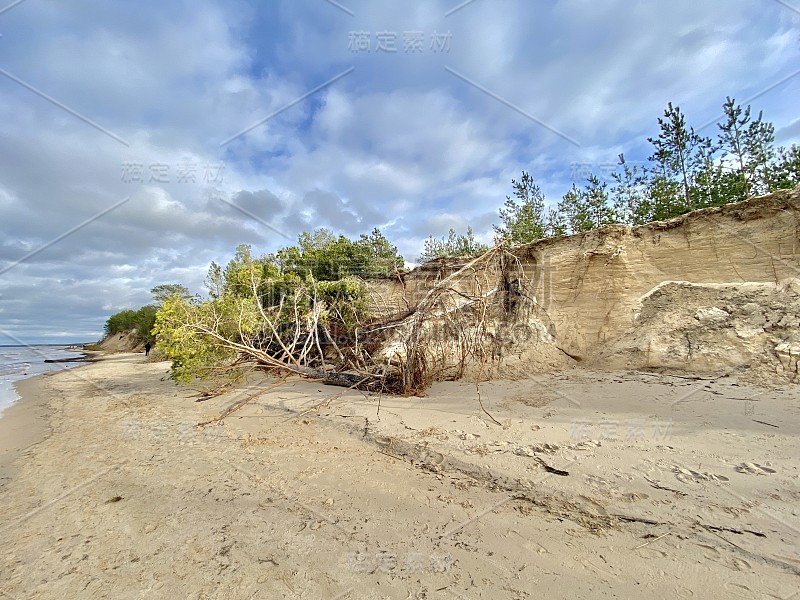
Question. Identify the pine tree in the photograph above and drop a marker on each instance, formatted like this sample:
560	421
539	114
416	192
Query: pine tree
523	218
161	292
732	133
555	223
664	196
748	150
679	155
574	210
785	169
711	185
630	202
760	144
589	208
379	256
597	203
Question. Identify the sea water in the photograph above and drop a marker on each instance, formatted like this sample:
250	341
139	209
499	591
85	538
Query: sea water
21	362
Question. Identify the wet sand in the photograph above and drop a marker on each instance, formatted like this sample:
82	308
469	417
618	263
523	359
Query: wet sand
23	424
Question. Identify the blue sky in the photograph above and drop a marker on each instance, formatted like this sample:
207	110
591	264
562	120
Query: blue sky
115	118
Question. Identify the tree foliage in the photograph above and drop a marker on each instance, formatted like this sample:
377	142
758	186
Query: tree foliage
784	172
452	245
164	291
294	306
680	154
523	217
328	257
141	321
631	204
686	171
588	208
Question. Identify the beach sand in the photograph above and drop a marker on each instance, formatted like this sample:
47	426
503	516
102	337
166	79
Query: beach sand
580	484
22	425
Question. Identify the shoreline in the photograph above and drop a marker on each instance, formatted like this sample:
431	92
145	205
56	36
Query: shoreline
41	362
24	424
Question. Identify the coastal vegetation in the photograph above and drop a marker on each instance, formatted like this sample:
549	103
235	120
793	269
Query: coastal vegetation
304	309
292	309
452	245
685	172
141	321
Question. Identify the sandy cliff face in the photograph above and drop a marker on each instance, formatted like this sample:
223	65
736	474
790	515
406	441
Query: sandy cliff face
593	285
706	292
121	342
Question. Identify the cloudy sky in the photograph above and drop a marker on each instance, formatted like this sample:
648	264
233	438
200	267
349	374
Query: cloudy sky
140	141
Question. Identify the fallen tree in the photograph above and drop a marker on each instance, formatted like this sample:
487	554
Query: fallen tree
259	317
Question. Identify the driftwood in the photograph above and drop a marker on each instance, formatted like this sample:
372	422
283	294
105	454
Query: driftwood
342	379
84	358
550	469
663	535
760	534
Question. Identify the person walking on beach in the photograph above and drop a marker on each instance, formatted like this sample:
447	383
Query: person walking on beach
147	347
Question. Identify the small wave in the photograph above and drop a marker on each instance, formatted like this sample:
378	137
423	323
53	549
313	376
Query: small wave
15	369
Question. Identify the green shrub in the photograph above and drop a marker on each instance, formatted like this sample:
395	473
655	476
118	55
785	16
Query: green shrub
141	321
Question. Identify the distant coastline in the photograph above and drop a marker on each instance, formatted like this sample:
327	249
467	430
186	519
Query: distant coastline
72	346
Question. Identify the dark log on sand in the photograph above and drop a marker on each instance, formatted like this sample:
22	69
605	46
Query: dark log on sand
84	358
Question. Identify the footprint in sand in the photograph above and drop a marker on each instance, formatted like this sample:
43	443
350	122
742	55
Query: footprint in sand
710	553
650	552
737	590
430	457
689	476
754	469
739	564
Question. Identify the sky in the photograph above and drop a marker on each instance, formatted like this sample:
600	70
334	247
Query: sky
141	141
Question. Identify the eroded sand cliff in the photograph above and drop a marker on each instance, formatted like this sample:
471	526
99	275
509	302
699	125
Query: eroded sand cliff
715	290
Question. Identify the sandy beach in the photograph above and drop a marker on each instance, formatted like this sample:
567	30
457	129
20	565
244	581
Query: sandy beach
23	425
577	484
